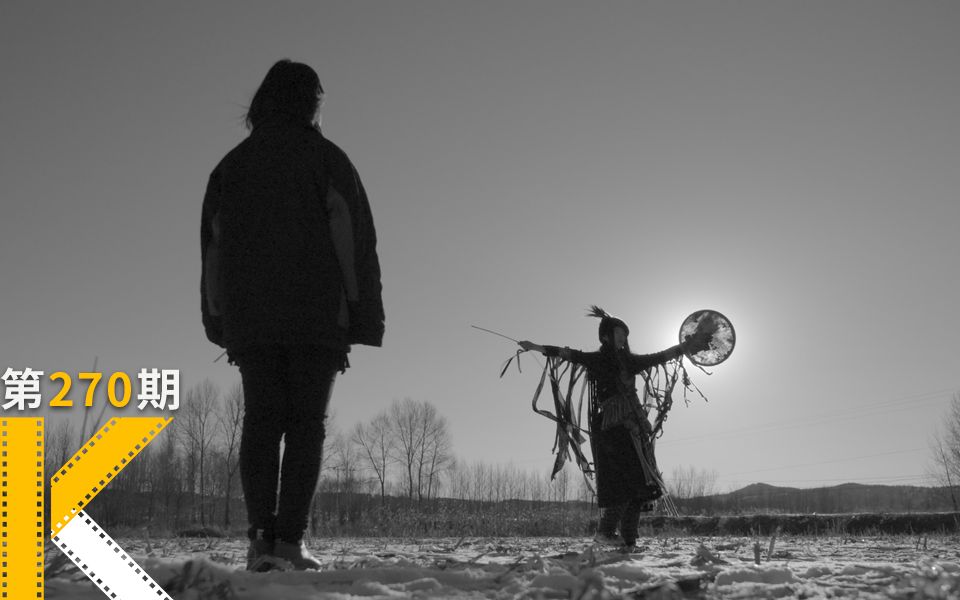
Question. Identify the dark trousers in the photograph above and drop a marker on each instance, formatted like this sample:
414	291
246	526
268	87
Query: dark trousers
625	515
286	391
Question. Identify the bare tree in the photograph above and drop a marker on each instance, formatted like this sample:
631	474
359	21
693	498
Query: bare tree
423	445
58	444
514	483
230	424
197	419
331	430
945	448
405	418
167	475
585	492
538	488
343	462
501	479
481	480
459	480
58	448
376	442
561	485
689	482
436	455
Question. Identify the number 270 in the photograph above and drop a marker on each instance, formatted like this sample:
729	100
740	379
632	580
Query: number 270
60	400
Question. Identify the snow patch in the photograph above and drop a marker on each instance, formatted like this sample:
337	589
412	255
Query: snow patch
371	569
767	575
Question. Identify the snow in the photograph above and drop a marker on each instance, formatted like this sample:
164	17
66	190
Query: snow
535	568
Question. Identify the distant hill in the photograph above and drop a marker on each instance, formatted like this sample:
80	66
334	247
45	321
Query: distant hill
838	499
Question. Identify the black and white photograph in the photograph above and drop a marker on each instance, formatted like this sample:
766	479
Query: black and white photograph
507	299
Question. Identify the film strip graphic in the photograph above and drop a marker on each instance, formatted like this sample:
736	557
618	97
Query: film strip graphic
104	561
71	489
21	482
77	483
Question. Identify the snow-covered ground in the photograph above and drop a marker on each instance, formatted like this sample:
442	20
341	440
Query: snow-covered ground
663	567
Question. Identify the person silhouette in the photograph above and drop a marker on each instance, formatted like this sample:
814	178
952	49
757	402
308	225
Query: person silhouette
290	279
621	437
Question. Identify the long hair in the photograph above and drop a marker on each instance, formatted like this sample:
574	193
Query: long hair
290	89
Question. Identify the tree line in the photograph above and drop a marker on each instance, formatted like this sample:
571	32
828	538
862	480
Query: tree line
398	472
399	466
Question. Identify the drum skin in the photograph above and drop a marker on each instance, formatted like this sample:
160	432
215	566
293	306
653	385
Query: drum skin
723	337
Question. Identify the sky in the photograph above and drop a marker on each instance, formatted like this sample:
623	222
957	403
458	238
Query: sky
793	165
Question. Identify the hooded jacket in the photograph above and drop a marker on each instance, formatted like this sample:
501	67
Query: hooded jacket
270	271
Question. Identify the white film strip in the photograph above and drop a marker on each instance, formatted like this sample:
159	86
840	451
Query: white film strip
105	562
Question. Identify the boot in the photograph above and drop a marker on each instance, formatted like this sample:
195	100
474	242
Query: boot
607	527
297	555
608	539
260	547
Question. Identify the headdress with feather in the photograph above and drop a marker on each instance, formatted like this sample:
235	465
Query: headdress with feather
607	322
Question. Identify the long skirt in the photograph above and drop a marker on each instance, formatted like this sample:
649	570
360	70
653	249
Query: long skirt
625	463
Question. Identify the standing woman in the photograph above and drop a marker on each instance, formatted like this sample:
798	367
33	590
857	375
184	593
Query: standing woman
620	433
290	280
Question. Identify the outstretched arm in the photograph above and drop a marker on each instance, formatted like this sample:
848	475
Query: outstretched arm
693	344
564	353
574	356
642	362
528	346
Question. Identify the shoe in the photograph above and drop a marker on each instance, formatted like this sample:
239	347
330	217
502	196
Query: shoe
269	562
297	555
259	548
608	539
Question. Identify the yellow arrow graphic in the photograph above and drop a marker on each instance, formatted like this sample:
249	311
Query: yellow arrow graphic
98	462
77	483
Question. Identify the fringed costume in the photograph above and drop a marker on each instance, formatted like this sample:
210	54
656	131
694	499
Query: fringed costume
621	436
618	422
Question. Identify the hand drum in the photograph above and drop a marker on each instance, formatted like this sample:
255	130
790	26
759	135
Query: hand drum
722	336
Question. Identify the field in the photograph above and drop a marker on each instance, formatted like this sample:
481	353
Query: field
664	566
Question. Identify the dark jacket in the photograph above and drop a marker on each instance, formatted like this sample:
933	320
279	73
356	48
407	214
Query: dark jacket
272	261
